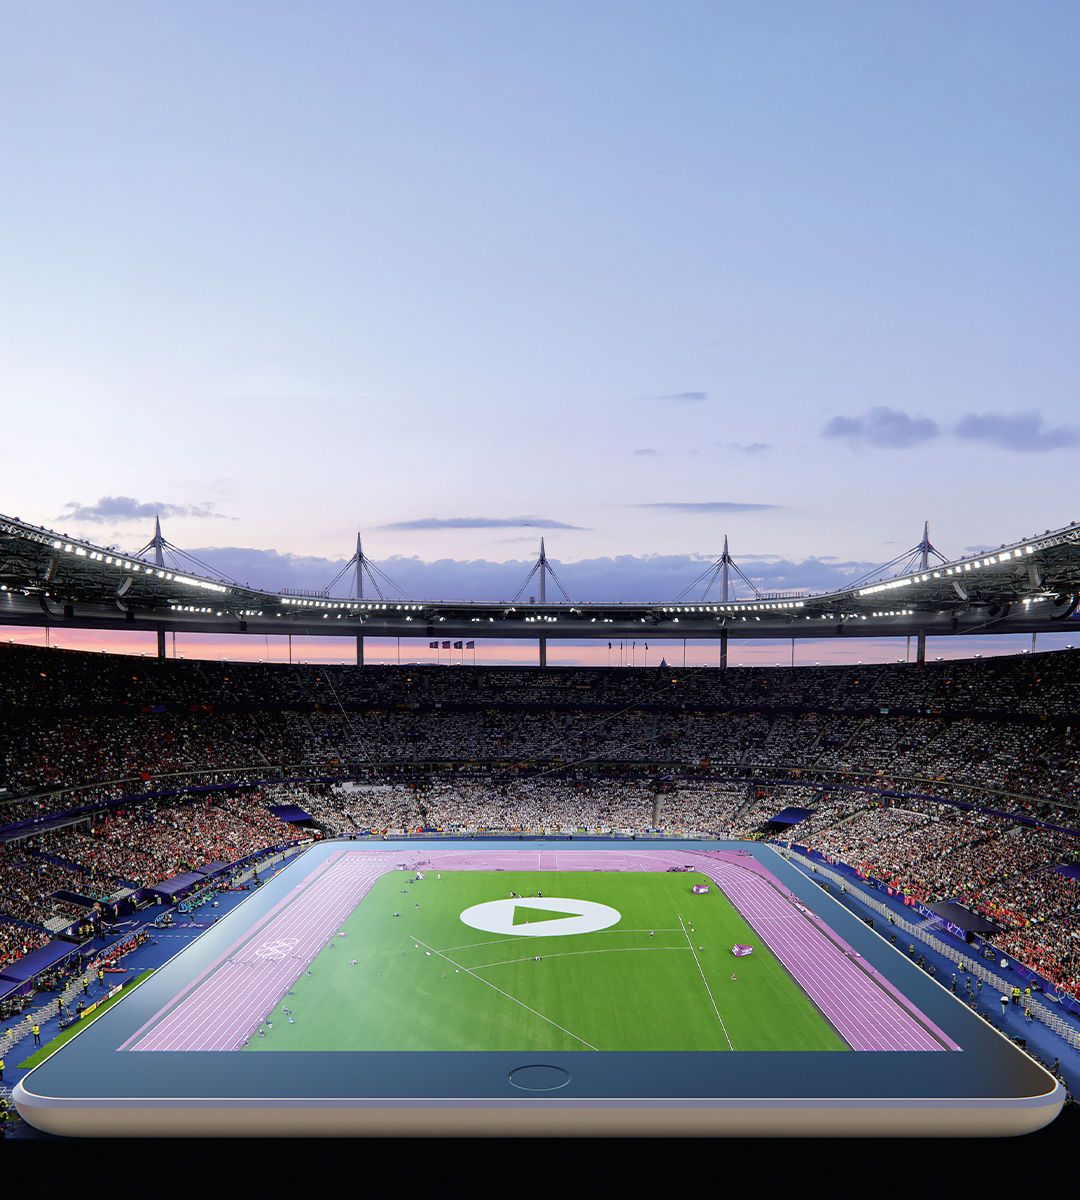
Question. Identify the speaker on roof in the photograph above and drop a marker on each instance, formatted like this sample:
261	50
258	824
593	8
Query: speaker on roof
1064	606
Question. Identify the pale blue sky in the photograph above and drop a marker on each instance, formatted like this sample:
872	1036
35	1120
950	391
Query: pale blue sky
318	267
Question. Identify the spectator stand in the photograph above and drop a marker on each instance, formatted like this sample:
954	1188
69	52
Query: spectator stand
157	948
1039	1040
1064	1023
959	925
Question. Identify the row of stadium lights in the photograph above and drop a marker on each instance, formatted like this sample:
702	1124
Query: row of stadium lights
977	564
350	604
893	612
245	612
351	607
592	620
743	606
125	564
898	612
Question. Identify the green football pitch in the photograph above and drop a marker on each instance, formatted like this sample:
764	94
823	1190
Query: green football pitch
411	974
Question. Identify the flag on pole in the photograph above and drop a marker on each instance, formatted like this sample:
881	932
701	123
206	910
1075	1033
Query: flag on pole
457	645
446	645
433	645
470	645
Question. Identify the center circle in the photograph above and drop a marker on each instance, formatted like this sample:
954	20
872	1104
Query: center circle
540	916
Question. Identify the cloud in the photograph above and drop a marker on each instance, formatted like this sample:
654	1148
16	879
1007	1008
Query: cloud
628	578
126	508
708	506
479	523
271	569
882	426
745	447
1023	432
646	453
683	397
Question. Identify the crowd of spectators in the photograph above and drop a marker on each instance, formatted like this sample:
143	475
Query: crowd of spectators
465	807
933	852
102	757
38	680
557	751
121	848
167	721
17	940
151	842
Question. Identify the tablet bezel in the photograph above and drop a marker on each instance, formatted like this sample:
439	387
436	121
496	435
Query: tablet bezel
988	1069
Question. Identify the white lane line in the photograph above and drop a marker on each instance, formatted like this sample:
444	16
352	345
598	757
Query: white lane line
706	983
218	998
207	1018
875	1020
488	983
236	982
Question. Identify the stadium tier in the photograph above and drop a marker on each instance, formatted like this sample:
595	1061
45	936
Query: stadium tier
952	781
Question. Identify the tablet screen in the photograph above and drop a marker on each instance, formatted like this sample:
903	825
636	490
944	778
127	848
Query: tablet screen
613	948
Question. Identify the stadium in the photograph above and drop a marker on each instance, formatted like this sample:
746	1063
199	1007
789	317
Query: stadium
655	835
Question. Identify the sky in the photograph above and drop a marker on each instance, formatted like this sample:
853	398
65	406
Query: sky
628	276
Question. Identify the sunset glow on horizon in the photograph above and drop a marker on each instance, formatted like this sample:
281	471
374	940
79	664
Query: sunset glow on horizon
748	652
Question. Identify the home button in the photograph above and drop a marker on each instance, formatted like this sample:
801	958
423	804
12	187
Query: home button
539	1077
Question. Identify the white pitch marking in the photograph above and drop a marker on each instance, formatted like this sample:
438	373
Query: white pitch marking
568	916
706	983
595	933
574	953
488	983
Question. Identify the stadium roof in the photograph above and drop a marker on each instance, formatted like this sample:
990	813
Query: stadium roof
48	578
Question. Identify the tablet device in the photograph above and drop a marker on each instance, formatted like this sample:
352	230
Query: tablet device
424	987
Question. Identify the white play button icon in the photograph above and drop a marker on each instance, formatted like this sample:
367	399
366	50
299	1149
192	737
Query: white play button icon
540	916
